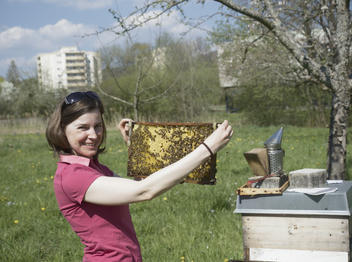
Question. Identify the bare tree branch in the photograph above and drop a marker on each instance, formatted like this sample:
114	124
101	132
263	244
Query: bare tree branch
113	97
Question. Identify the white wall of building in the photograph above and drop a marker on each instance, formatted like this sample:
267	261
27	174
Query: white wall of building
69	68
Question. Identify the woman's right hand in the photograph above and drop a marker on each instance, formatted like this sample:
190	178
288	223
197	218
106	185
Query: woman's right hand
220	137
124	127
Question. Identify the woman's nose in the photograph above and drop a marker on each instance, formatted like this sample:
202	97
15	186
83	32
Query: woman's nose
92	133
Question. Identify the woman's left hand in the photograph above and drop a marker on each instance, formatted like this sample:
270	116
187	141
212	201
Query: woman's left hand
124	127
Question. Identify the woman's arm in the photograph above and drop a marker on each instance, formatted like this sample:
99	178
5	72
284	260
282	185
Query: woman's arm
117	191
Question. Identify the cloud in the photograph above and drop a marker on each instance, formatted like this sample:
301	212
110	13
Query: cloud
63	29
44	38
23	44
12	36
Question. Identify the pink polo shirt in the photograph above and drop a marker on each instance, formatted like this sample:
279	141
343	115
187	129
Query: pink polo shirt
106	231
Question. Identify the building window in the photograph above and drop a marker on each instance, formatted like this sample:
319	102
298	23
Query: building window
75	74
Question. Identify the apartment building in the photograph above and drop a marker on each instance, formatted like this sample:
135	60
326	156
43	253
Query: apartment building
69	68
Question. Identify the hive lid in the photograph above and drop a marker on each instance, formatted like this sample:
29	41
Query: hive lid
338	203
274	142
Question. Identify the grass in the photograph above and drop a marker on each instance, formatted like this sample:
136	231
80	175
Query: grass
22	125
188	223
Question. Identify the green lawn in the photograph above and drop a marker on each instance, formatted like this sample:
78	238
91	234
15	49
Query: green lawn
188	223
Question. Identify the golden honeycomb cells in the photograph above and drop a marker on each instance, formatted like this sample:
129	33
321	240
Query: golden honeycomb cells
157	145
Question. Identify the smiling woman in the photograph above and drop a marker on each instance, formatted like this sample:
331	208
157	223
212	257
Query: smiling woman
85	134
77	125
92	199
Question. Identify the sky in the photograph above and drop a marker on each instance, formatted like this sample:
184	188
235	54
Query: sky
31	27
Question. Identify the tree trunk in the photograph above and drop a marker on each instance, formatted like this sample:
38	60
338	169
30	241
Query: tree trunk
338	136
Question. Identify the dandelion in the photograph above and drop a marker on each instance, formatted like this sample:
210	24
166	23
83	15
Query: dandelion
226	260
16	221
182	258
43	209
165	198
52	177
19	151
3	198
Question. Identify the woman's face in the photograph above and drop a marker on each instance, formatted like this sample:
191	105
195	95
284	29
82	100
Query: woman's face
85	134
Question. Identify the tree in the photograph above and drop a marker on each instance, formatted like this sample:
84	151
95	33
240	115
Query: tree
13	75
136	67
317	34
194	64
168	80
262	81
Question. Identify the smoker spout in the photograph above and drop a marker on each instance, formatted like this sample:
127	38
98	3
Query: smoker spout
274	142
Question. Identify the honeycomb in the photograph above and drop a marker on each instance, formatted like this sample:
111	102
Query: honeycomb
157	145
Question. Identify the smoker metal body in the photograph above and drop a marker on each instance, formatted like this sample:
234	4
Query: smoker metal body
275	153
276	159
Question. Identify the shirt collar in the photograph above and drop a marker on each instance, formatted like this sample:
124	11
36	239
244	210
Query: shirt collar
73	159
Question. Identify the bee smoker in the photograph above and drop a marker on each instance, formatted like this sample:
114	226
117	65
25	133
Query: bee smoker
275	153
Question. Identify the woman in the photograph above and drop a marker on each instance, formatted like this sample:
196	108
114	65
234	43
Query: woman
94	200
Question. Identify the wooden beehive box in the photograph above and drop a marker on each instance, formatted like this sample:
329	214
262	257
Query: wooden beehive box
296	238
154	146
296	226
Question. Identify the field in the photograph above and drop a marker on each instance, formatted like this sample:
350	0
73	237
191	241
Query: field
188	223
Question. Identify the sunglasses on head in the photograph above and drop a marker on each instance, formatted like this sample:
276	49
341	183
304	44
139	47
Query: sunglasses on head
78	96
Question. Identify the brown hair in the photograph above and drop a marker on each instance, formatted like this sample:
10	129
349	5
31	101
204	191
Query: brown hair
65	114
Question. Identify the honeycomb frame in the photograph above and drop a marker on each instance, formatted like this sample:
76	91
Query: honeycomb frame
155	145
